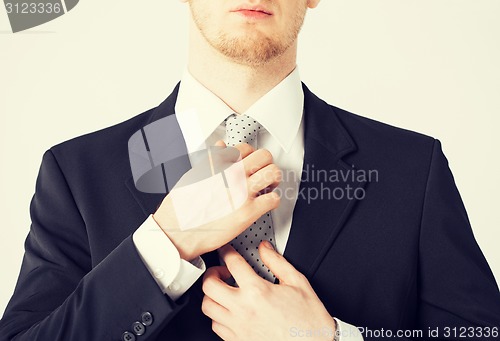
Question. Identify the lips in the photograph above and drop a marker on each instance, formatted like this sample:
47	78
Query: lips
252	10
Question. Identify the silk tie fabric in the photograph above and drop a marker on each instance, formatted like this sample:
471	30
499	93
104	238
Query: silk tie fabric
244	129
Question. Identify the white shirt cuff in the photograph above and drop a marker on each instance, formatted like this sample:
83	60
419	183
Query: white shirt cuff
173	274
347	332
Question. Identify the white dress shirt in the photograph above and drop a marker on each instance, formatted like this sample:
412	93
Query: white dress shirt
200	114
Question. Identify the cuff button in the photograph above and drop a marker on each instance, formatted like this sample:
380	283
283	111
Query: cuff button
138	328
175	286
159	273
147	318
128	336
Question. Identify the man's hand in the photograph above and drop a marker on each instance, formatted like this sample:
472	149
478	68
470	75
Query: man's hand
262	176
258	309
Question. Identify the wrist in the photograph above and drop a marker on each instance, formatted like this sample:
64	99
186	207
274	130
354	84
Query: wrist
329	328
180	239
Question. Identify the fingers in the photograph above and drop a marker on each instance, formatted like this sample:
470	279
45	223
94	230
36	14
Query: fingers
238	267
220	143
219	315
215	287
213	309
265	203
280	267
224	332
269	176
245	149
253	160
251	211
219	273
257	160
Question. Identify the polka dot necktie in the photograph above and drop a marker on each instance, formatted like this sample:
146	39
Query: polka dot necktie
244	129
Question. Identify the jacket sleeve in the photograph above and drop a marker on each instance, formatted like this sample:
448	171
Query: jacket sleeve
458	297
59	296
457	287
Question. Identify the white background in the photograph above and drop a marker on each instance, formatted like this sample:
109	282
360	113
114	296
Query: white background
430	66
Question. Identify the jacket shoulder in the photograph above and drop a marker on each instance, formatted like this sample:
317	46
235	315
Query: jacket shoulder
105	150
106	137
371	134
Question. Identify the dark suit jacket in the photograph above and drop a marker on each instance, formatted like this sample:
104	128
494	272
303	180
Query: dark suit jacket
402	258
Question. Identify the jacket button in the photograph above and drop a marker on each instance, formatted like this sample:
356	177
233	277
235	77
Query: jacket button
128	336
138	328
147	318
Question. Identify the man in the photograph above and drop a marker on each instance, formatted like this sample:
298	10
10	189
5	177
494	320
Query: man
106	261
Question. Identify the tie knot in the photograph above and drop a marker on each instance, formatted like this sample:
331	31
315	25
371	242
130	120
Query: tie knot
241	129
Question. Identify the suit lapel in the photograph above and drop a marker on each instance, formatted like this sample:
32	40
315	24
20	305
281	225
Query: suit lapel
149	202
326	194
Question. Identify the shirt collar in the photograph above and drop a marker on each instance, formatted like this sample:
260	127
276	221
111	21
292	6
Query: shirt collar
199	111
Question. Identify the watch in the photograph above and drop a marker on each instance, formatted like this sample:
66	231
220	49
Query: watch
336	335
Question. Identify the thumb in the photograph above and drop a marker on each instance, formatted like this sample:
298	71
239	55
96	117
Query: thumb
220	143
279	266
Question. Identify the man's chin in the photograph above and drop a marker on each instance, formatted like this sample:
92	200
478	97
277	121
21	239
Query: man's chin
250	50
252	55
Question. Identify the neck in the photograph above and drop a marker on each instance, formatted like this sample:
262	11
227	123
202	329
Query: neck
239	86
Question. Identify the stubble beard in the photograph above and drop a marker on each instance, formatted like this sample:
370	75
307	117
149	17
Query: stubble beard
253	50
